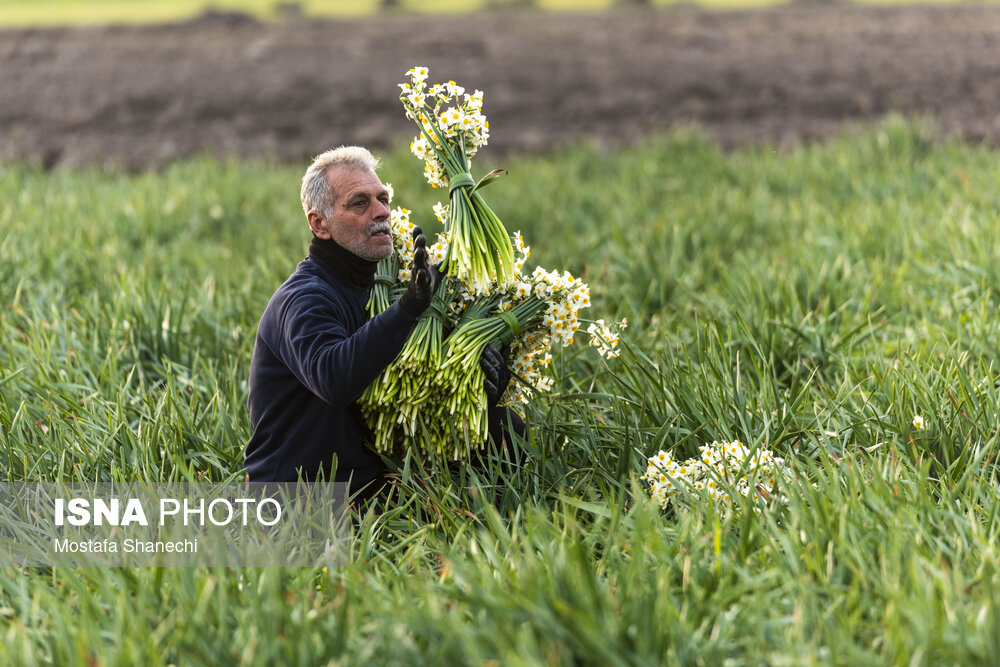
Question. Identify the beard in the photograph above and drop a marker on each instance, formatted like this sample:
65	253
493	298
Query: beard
374	244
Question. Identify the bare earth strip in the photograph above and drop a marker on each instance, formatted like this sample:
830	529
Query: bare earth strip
141	96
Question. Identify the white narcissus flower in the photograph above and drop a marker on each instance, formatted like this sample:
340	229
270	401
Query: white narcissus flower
918	421
420	148
720	467
604	339
437	251
418	74
441	212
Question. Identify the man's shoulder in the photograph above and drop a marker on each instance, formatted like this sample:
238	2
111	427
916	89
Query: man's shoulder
309	278
307	286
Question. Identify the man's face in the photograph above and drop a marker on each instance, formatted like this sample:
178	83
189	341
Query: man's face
360	220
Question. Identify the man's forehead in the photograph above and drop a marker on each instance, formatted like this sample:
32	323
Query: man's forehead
350	180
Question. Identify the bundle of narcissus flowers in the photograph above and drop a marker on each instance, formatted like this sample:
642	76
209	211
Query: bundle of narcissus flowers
452	128
722	470
431	398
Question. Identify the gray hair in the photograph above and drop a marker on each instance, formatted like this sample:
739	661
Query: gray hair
316	193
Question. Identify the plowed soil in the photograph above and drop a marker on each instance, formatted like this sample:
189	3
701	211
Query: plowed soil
226	84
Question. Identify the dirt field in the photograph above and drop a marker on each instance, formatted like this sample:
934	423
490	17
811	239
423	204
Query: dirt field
224	83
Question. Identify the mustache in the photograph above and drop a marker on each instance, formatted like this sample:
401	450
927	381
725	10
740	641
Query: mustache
377	226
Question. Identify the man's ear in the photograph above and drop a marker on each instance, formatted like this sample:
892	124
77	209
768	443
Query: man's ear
318	224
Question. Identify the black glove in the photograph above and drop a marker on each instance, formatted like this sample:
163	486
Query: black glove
494	365
424	279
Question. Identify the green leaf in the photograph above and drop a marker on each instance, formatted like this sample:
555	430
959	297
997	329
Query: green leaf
489	178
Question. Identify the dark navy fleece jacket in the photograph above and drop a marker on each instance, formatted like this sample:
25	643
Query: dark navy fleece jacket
316	352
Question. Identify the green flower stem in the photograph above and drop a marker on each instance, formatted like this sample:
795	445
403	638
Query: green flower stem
385	280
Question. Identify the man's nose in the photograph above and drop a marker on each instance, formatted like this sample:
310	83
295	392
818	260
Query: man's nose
381	209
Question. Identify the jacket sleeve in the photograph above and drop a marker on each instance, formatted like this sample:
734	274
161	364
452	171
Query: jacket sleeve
337	367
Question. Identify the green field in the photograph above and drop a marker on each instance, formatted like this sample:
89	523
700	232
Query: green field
812	302
88	12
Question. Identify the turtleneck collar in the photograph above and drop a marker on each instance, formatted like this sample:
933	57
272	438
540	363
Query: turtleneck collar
342	262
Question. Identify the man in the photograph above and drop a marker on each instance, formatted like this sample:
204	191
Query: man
316	350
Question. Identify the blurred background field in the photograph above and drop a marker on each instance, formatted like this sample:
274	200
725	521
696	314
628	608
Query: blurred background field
23	13
143	96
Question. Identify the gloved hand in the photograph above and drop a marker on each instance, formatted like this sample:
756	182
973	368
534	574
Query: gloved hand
424	279
494	365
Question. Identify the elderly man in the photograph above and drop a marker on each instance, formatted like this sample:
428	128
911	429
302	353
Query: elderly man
317	350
